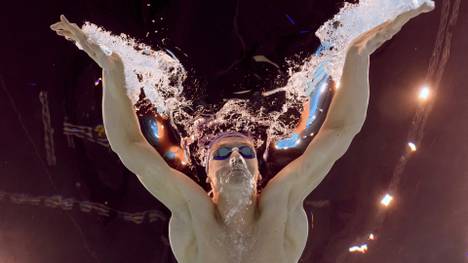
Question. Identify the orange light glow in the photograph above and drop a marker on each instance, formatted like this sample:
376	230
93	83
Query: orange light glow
424	93
386	200
360	249
412	146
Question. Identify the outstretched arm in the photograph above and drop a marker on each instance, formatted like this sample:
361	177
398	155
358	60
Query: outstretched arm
168	185
127	141
346	116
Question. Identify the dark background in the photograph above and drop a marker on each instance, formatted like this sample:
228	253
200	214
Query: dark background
426	223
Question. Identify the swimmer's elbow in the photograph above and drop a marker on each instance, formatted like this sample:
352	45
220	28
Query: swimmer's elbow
119	146
139	157
314	164
124	152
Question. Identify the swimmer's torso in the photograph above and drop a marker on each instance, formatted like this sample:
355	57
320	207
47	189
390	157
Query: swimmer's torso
280	236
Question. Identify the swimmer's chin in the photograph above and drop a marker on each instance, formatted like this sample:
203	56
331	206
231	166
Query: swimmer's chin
235	177
238	173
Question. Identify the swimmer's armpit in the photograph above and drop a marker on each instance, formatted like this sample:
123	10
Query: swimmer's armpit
305	173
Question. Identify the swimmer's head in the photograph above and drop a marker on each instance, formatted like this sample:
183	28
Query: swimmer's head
232	162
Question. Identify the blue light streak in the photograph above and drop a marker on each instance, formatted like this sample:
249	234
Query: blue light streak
313	88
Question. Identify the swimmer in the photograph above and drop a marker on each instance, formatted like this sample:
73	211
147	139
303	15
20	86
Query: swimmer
237	224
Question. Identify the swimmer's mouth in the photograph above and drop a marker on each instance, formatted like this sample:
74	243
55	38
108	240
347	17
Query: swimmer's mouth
237	170
238	167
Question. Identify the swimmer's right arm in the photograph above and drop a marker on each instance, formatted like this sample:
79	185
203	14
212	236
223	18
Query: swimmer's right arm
127	141
168	185
171	187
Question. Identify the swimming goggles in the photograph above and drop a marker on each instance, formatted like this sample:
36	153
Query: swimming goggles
222	153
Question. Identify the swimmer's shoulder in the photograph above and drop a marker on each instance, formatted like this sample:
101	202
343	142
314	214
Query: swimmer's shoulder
198	206
275	195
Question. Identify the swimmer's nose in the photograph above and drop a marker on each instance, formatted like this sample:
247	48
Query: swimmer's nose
236	158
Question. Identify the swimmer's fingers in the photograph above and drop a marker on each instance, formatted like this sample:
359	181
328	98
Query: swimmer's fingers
366	42
72	32
376	37
71	26
64	25
80	36
397	23
65	33
92	48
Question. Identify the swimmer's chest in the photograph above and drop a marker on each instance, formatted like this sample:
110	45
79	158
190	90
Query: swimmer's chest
280	238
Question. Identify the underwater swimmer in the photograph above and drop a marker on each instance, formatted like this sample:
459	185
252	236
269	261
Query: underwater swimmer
237	224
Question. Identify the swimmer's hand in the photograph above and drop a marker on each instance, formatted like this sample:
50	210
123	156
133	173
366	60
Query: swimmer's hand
371	40
72	32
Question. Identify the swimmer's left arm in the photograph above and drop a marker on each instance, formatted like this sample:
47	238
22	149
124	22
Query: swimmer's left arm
345	119
349	105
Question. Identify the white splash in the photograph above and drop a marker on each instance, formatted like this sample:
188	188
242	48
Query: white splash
339	32
157	73
160	75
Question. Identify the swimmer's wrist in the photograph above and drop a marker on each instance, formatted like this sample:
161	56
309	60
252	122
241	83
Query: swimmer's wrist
114	64
356	53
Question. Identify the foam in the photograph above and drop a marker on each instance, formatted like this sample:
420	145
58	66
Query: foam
338	33
157	73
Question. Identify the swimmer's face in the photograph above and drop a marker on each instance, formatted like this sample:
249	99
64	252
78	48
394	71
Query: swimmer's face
236	169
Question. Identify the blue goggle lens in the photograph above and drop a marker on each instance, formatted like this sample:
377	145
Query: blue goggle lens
224	152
